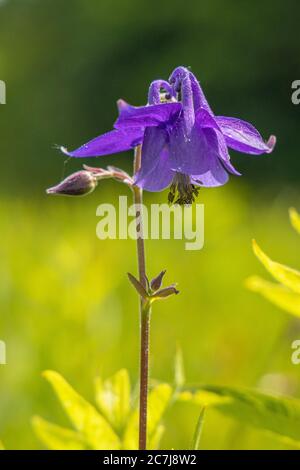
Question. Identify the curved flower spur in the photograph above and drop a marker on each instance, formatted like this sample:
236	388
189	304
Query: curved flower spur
184	145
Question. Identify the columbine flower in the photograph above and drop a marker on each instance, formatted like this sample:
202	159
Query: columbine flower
184	145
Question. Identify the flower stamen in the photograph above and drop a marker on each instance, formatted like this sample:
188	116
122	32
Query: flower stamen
182	191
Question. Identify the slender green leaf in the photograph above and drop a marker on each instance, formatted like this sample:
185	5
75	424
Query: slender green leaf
85	418
179	378
295	219
287	276
113	398
198	430
276	293
202	397
278	415
57	438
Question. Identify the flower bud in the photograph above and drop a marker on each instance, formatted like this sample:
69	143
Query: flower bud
78	184
157	281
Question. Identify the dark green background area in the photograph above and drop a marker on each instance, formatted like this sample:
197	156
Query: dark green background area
66	64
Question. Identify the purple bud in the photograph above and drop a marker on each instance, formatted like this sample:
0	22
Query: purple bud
156	281
78	184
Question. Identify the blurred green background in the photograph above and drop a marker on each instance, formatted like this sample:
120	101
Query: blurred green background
64	297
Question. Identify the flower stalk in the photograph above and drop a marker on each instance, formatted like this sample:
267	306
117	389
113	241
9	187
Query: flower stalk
145	309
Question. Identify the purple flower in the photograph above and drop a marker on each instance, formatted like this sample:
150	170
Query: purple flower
184	145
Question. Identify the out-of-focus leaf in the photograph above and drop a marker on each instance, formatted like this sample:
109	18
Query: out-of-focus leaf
295	219
287	276
113	398
198	430
276	293
179	378
154	441
57	438
202	397
2	446
85	418
158	401
279	415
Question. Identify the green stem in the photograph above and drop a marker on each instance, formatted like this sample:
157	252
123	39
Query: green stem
145	311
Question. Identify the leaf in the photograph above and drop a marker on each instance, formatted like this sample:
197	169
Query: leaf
202	397
2	446
158	401
278	415
57	438
198	430
179	378
85	418
138	286
154	441
113	398
287	276
276	293
295	219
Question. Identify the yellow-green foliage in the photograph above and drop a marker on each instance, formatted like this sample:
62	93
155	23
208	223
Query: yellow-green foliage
286	292
113	426
295	219
278	415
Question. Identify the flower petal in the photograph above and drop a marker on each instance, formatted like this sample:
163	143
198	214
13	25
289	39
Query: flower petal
189	155
112	142
155	139
229	167
205	119
145	116
155	173
160	178
216	140
243	137
122	104
216	176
